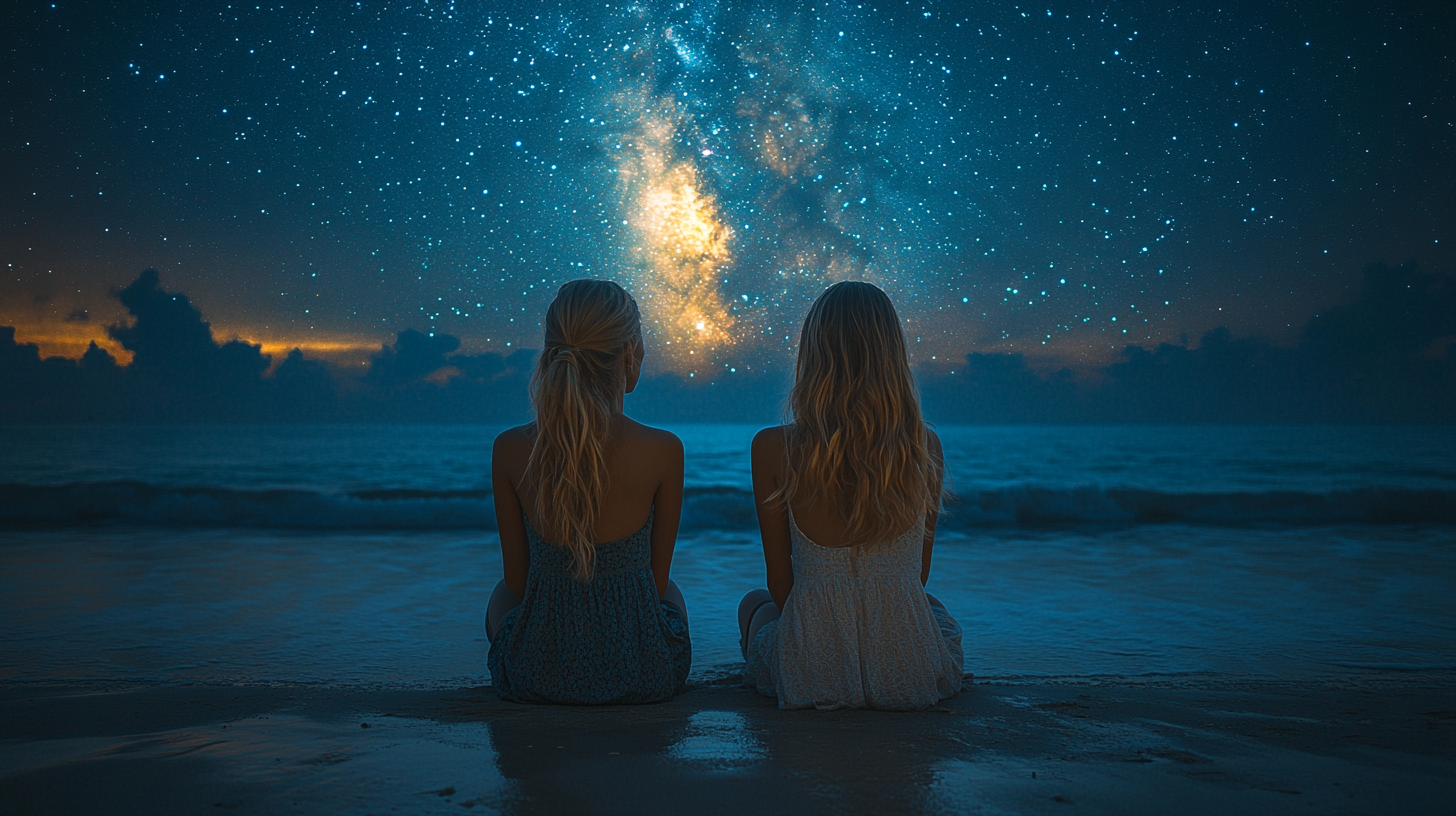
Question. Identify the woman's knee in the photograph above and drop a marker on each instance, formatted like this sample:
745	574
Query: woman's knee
752	601
502	600
763	615
750	604
756	609
674	596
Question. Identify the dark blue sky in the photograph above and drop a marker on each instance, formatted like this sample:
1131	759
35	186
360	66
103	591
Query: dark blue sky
1059	180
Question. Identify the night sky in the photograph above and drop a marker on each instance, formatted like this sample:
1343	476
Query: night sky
1059	180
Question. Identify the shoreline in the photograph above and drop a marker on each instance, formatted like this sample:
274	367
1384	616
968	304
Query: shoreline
1379	744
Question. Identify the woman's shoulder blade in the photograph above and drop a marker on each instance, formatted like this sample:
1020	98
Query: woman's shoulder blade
513	443
521	434
659	438
769	442
772	435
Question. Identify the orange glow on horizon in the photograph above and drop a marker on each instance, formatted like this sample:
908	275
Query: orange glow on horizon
67	339
57	339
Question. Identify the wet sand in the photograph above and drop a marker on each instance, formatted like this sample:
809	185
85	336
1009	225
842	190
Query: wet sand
1110	745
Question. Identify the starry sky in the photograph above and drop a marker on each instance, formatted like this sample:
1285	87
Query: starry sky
1059	180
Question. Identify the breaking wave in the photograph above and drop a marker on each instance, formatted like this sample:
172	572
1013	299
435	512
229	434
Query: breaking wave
709	508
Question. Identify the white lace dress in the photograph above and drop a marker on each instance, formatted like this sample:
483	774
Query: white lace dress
857	631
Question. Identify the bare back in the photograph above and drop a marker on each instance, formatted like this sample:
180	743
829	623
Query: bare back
644	470
820	522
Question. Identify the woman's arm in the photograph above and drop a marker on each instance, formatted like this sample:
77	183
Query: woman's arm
667	508
932	515
507	463
773	517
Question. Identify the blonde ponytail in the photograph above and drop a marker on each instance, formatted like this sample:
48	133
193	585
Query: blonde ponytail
589	326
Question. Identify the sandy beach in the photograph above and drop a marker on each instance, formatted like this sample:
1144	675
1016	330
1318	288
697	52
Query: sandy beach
1106	745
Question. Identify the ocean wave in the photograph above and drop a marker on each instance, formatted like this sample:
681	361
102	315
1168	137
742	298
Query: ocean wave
1043	506
131	502
704	508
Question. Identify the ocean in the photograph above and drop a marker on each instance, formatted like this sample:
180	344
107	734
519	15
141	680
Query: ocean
365	554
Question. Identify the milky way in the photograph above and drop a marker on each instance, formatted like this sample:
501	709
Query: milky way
1055	180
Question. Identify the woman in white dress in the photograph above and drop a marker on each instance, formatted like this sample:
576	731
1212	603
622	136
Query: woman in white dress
848	494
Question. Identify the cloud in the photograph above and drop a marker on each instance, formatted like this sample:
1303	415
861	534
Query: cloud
97	358
302	390
180	372
170	341
1384	357
54	389
16	358
1001	389
78	316
413	356
1400	311
740	397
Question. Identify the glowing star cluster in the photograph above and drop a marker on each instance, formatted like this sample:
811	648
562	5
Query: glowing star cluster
685	243
682	246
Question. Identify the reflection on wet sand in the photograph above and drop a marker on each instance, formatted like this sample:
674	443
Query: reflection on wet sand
718	739
1105	745
732	759
665	758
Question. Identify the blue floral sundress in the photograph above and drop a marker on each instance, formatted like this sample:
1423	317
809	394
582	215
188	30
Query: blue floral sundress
609	640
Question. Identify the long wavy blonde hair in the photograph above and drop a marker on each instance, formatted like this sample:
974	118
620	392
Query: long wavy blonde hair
589	327
856	439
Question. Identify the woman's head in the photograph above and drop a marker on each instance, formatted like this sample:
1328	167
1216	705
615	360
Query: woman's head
857	440
591	355
852	339
593	316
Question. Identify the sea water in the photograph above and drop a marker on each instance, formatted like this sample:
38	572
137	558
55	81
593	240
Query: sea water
365	554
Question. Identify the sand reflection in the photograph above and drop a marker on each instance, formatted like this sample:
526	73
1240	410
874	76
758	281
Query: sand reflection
718	739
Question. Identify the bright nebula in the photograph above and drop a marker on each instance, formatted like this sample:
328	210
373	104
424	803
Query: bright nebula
742	182
682	245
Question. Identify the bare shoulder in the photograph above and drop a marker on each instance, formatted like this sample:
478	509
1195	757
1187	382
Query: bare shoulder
769	443
655	442
932	441
513	445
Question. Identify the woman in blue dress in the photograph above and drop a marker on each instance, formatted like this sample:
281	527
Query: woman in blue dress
587	502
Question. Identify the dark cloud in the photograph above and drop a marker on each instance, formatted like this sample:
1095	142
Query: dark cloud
170	341
303	390
1384	357
1002	389
16	357
417	379
179	372
97	358
78	316
738	397
413	356
1401	311
54	389
1387	356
